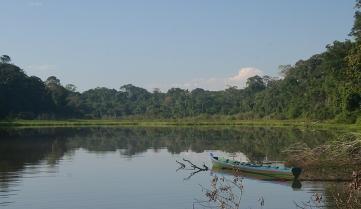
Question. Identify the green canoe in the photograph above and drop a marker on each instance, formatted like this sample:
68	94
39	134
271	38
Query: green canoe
276	172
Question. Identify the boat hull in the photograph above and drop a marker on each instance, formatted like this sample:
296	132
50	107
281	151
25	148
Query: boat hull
269	172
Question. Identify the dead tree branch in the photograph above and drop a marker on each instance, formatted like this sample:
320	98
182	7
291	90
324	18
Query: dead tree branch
196	169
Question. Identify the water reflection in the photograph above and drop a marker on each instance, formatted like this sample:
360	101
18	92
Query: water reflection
34	153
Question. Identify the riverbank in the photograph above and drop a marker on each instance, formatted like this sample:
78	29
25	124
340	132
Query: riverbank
180	122
336	160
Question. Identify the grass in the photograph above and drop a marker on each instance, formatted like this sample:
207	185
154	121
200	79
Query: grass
180	122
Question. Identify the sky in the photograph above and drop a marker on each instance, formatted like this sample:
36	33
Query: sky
210	44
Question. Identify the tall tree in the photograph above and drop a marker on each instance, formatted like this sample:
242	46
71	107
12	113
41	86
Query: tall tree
5	59
356	29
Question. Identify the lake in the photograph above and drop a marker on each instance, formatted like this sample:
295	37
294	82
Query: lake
136	168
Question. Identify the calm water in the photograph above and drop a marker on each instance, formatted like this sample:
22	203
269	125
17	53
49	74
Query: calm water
135	168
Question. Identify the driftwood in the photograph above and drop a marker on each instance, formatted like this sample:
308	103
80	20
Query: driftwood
192	167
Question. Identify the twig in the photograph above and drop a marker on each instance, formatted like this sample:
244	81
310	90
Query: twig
192	166
205	168
182	165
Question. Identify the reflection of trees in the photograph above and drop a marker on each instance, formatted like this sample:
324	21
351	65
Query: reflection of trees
21	147
255	142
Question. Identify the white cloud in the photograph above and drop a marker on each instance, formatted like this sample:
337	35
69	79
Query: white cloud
239	79
245	73
221	83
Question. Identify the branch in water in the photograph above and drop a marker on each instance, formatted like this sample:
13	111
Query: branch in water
182	165
205	168
193	167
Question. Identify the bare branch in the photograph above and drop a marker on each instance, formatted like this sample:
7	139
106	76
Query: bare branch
205	168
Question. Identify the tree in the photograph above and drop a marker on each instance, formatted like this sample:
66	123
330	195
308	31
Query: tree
255	83
52	80
157	91
5	59
284	70
354	57
356	29
71	87
20	95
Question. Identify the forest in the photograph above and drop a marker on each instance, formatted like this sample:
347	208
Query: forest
326	86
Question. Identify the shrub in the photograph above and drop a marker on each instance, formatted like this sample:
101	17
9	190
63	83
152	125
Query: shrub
346	117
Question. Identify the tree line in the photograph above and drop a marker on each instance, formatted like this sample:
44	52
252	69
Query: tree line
325	86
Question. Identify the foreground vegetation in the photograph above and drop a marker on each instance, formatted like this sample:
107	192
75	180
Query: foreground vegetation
339	159
324	87
335	160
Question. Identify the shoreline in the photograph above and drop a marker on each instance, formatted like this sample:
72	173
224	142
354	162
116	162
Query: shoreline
187	122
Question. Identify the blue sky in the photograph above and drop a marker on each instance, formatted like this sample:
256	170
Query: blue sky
167	43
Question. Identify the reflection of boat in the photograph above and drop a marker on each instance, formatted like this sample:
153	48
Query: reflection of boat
269	171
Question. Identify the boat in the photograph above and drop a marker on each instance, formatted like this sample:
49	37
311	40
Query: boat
294	183
269	171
